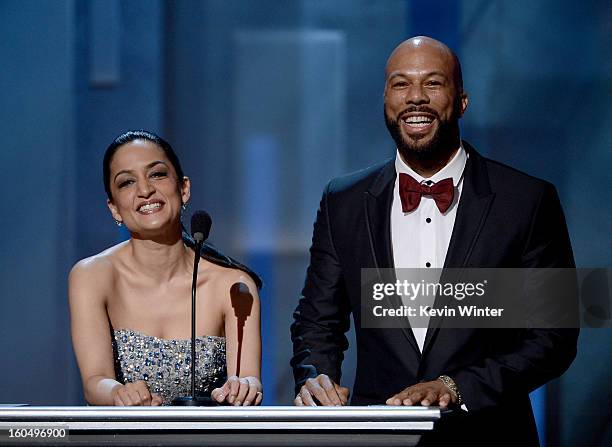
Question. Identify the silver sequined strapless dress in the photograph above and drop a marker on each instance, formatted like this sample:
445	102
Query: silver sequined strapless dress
166	364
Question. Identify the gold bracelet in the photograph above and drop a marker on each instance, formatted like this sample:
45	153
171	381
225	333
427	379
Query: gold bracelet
452	386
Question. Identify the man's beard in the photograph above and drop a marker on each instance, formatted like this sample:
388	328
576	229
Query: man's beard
444	140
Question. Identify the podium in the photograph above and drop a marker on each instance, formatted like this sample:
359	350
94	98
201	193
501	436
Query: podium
221	426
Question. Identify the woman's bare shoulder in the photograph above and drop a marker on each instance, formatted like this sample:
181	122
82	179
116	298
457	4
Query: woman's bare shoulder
99	267
227	280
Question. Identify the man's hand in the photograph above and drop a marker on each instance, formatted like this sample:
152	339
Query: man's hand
426	394
324	390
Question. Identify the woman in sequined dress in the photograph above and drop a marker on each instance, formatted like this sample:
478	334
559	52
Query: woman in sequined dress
130	305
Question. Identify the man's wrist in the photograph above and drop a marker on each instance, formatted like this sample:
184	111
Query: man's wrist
452	386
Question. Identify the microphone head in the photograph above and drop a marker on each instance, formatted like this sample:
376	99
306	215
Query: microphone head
200	225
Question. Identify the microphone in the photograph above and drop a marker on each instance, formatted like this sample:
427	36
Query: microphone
200	229
200	226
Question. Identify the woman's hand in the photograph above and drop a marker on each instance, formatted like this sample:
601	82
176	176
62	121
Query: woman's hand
239	391
135	393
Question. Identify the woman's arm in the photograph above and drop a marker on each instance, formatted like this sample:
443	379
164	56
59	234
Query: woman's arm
243	342
91	339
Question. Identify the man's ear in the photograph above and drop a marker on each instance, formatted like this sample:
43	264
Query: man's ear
464	102
113	210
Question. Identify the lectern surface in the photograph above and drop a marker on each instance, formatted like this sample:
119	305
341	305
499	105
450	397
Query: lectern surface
221	426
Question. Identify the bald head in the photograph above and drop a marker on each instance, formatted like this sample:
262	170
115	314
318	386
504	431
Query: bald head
424	100
425	48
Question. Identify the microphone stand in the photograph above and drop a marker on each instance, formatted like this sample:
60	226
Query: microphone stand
193	400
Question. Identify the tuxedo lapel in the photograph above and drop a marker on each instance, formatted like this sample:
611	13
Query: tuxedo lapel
377	205
474	205
378	199
476	199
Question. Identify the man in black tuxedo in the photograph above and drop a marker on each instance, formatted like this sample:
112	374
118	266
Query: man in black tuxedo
437	204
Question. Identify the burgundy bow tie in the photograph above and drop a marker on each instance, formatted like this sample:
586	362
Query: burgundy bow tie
411	191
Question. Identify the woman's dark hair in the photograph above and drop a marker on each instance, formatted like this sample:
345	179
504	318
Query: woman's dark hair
133	135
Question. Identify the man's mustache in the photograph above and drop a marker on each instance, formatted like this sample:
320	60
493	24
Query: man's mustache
422	109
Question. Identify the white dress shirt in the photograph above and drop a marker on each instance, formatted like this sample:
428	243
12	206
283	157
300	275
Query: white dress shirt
420	238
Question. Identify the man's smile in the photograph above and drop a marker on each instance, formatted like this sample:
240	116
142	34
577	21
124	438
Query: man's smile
417	122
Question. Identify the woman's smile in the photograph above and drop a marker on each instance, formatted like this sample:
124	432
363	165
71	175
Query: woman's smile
150	207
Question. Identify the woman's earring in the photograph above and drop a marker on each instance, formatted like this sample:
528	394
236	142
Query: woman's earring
184	206
118	222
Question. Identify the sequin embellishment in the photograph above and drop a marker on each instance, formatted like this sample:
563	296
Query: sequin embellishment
166	364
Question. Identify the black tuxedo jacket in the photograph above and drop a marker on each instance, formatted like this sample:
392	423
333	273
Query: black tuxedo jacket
505	218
